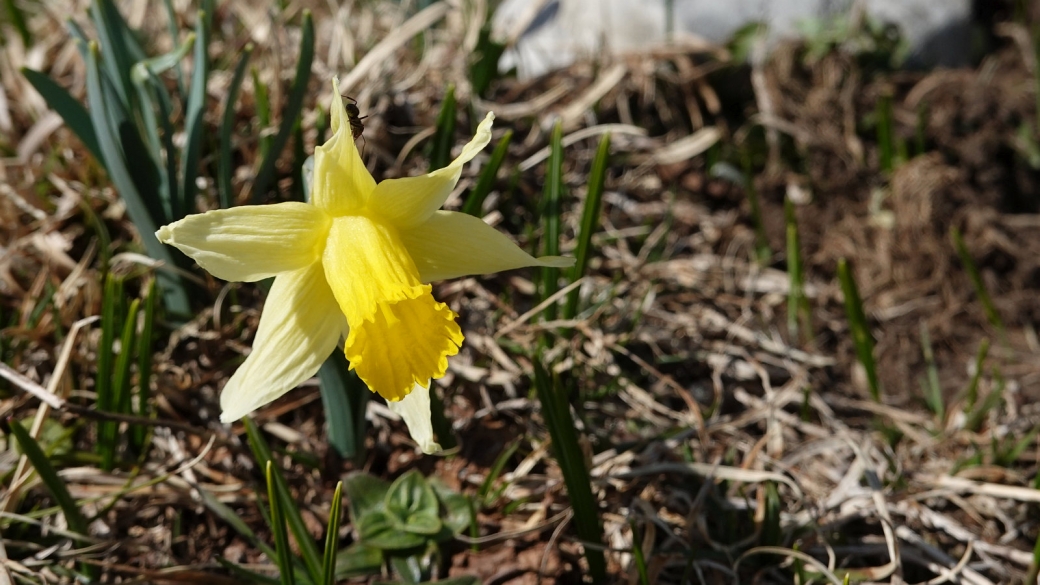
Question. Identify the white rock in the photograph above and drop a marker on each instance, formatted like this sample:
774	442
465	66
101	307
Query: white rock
554	33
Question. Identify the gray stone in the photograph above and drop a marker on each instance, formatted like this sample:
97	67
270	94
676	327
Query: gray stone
558	32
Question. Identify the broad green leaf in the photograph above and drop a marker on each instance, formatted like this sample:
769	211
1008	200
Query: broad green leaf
344	397
193	124
54	484
224	172
456	512
365	493
444	137
410	494
332	536
589	221
377	528
71	111
288	507
358	560
475	200
552	193
162	63
291	113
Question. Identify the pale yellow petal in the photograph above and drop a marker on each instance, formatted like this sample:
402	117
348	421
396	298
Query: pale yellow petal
410	201
299	327
415	410
399	335
251	242
341	183
450	245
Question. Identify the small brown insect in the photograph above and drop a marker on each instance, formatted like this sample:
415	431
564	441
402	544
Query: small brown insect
357	127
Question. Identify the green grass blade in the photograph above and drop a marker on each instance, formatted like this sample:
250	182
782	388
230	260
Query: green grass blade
298	159
557	413
143	83
281	535
496	470
798	312
861	337
225	513
971	393
762	248
165	62
263	113
484	68
82	41
589	221
442	428
976	280
291	113
194	110
174	288
54	484
933	391
551	195
1034	565
225	170
247	576
174	32
973	422
332	536
344	398
138	433
152	96
108	431
71	111
885	139
308	549
444	137
14	13
475	200
637	553
103	384
116	55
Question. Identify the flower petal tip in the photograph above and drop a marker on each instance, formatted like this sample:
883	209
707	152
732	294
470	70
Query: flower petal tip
414	408
164	234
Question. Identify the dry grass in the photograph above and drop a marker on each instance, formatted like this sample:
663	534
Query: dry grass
721	440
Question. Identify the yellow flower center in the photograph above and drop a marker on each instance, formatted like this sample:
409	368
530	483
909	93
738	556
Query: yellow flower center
399	335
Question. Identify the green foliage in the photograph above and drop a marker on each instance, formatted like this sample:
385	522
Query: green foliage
876	44
75	519
13	14
444	136
484	67
403	521
552	193
932	390
798	309
475	200
976	280
291	114
569	455
225	170
286	505
113	383
344	398
861	336
745	178
589	221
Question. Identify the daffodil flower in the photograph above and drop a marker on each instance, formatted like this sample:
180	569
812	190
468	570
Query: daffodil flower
354	263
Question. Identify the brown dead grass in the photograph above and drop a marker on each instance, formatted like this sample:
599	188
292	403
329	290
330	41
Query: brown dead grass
697	404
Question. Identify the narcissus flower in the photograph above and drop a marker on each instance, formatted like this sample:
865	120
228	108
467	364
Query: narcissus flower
354	263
